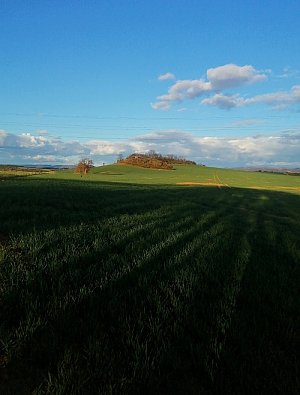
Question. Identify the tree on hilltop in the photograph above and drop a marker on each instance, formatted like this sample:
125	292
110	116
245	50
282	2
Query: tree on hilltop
120	157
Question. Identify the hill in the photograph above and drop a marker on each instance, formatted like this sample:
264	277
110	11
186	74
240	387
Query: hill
155	161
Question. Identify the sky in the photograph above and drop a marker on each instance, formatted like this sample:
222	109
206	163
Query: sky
214	81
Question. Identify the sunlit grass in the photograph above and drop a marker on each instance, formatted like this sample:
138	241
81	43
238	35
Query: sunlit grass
186	174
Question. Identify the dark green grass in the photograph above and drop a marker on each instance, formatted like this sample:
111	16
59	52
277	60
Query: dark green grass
132	289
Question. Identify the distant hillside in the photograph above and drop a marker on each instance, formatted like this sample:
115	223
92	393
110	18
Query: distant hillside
268	169
155	161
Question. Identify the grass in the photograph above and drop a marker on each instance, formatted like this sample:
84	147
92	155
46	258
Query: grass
114	287
185	174
7	171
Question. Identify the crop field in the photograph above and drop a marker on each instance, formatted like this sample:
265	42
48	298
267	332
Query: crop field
17	171
140	281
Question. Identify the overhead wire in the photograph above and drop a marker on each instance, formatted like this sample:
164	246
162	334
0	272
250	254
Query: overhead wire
121	128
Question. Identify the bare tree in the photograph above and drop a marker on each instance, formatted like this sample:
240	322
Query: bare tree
84	166
152	153
120	157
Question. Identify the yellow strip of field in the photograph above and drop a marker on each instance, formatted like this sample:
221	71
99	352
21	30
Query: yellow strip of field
211	184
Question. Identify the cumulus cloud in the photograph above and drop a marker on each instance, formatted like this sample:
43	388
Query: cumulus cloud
226	102
219	78
42	158
231	76
42	132
225	77
24	140
181	90
216	151
277	100
27	146
166	76
161	105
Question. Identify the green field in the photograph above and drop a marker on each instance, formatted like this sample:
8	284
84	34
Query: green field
187	174
140	281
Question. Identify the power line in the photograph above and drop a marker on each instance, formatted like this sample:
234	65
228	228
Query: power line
142	118
141	128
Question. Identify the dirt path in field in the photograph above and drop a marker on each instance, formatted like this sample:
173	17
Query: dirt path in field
217	178
213	182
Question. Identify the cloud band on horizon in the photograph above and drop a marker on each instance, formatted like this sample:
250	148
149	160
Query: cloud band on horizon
268	150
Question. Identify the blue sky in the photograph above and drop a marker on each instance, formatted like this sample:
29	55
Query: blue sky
215	81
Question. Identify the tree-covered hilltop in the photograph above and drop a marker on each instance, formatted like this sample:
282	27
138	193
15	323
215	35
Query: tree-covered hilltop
154	160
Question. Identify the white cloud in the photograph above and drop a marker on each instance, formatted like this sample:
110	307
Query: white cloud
103	147
3	135
231	76
267	150
166	76
182	90
42	158
186	89
278	100
226	102
27	140
26	146
161	105
227	76
42	132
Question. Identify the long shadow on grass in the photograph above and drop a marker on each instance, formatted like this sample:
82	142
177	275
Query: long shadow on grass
104	307
28	204
201	300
